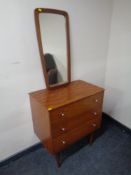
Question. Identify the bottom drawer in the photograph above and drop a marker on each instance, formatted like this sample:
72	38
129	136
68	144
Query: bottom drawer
71	137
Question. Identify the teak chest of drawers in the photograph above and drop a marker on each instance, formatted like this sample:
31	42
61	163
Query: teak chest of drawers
64	115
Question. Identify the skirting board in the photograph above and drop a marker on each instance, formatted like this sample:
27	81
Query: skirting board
20	154
120	125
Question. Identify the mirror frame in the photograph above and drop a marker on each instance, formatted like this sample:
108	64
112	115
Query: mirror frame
37	11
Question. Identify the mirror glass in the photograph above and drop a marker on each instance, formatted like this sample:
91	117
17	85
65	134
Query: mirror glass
53	44
53	36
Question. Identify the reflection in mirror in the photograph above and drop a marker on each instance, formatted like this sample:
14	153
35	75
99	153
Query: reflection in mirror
53	37
51	69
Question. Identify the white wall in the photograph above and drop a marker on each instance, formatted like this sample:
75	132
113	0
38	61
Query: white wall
118	74
20	68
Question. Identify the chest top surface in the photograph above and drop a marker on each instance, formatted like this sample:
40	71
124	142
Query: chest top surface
72	92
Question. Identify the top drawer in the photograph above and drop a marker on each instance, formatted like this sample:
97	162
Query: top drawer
76	108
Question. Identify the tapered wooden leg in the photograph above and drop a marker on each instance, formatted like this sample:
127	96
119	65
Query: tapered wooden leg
58	161
91	139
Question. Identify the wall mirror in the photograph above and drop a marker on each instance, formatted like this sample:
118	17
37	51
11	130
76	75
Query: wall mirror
52	28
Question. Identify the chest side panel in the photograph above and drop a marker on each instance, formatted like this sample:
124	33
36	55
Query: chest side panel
40	117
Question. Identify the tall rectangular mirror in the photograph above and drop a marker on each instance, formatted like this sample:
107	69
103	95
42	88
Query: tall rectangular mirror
52	27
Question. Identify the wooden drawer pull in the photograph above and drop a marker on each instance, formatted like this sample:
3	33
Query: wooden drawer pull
63	142
96	100
94	125
62	114
95	113
63	129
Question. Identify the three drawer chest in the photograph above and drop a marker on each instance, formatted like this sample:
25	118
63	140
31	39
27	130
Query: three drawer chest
64	115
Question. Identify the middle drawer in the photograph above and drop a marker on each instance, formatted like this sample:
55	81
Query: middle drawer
60	128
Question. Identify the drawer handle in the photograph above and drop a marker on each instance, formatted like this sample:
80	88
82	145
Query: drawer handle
63	129
96	100
94	125
95	113
63	142
62	114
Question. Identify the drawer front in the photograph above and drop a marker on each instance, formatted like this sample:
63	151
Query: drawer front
76	108
58	129
71	137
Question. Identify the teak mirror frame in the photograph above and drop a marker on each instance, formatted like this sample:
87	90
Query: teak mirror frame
38	32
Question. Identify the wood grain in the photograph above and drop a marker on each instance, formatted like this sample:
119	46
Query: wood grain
40	117
63	116
62	96
62	142
77	108
58	129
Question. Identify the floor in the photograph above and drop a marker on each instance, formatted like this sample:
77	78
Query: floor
110	154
